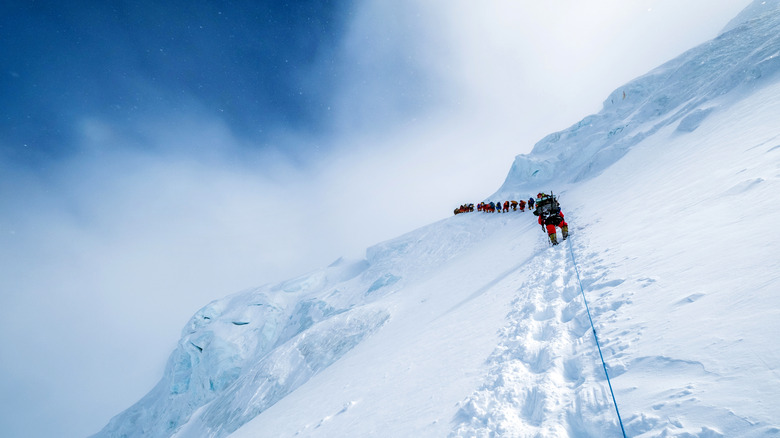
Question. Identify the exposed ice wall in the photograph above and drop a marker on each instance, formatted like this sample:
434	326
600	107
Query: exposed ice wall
263	341
239	355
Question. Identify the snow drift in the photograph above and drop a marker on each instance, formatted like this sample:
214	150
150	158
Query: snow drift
474	327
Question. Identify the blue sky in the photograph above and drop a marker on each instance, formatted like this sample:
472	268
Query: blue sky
157	155
255	65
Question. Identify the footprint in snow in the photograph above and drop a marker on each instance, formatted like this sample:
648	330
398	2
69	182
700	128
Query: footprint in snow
606	284
645	282
570	293
743	187
543	315
545	332
540	360
572	370
690	299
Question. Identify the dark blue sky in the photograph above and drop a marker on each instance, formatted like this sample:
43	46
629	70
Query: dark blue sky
257	66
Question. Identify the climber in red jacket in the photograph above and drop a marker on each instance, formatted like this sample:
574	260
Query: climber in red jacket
554	220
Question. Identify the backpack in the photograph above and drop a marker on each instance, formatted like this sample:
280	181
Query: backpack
547	205
553	220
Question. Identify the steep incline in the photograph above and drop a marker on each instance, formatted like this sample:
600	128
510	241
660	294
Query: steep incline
407	379
690	227
545	377
242	355
474	326
677	247
679	93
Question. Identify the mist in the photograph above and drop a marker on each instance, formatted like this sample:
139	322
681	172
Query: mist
107	251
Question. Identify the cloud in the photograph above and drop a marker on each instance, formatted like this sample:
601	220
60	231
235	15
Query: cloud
108	254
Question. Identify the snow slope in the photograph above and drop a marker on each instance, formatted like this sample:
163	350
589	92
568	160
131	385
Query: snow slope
678	253
474	326
680	92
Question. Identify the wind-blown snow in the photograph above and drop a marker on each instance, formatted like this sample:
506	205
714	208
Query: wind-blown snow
475	327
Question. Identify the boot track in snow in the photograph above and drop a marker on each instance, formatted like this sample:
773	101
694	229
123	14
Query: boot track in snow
545	377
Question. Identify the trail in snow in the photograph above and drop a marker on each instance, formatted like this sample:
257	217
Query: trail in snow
545	377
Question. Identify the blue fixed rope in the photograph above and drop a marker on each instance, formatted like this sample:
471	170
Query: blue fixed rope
604	364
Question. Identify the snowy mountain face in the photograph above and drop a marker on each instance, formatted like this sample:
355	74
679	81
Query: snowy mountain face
475	327
753	11
681	92
242	354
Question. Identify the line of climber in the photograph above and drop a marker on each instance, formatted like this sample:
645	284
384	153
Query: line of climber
465	208
497	207
545	206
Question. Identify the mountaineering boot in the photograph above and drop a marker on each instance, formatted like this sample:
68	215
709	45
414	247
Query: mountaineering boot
565	230
554	239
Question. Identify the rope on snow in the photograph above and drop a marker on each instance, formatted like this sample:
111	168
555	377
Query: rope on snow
598	345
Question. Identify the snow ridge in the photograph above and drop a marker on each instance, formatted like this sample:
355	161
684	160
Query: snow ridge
752	11
231	351
243	353
680	91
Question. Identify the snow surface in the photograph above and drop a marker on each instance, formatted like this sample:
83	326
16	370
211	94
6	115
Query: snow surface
475	327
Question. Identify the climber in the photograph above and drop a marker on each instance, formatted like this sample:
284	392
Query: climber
546	205
555	219
541	220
